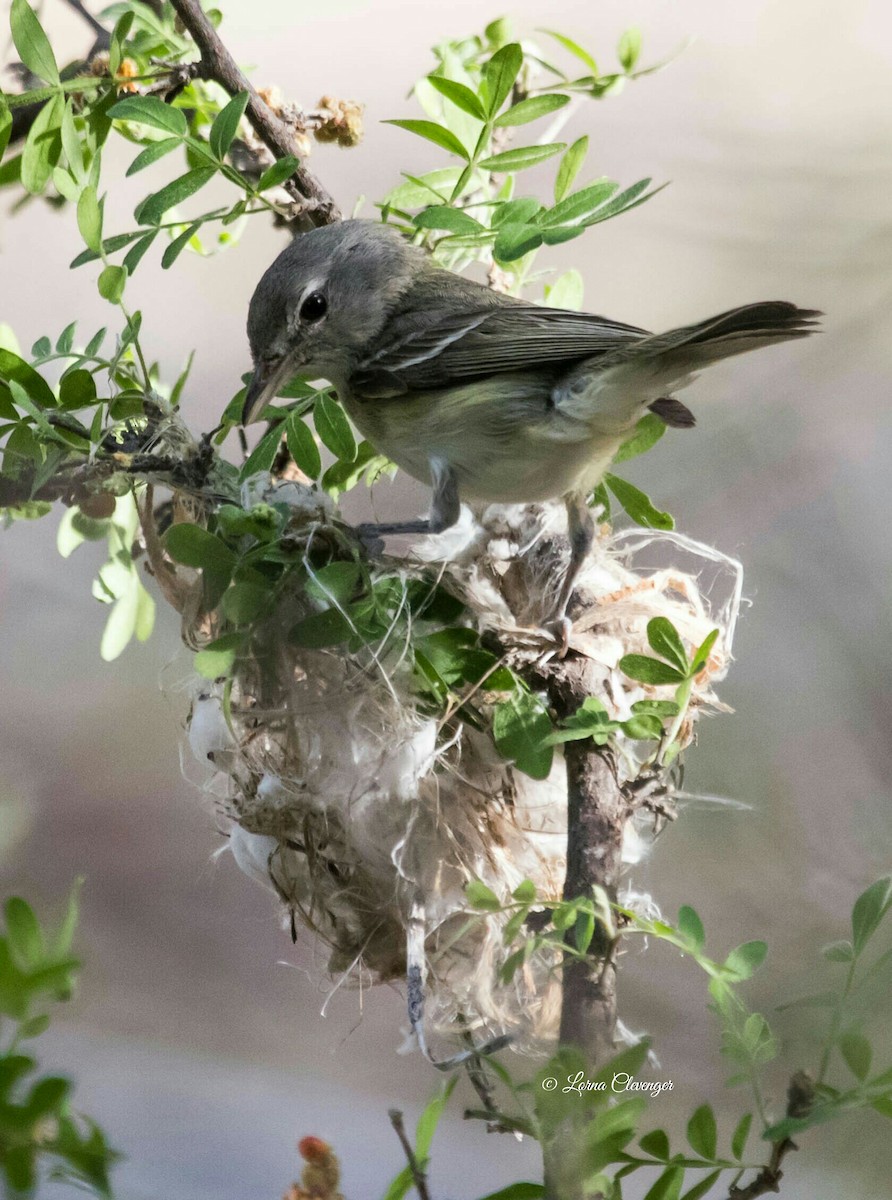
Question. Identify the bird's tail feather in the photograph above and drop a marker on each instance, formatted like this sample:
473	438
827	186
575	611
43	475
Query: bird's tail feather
645	373
746	328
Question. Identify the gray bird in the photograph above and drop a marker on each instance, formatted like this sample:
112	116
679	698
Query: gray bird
483	396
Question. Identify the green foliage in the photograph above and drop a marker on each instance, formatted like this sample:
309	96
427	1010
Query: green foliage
41	1136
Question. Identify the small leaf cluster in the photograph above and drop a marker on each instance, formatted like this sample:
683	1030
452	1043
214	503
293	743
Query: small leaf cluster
672	667
554	922
40	1135
846	1043
481	93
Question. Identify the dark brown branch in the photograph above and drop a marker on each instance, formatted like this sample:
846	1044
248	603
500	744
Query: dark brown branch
768	1179
800	1102
596	814
218	65
418	1176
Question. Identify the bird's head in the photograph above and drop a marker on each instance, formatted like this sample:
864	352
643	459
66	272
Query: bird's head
322	303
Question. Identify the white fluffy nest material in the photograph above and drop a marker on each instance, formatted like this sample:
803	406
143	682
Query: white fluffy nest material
368	818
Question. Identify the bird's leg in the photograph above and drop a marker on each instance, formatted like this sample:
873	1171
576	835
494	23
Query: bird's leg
444	510
581	531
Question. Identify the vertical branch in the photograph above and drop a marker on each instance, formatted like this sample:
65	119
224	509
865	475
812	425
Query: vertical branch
218	65
596	814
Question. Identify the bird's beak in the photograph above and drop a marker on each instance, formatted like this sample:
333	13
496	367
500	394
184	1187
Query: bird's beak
261	389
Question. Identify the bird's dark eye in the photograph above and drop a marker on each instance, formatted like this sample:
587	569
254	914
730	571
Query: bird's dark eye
314	307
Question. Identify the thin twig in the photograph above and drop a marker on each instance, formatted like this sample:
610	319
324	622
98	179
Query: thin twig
768	1179
800	1101
217	64
418	1176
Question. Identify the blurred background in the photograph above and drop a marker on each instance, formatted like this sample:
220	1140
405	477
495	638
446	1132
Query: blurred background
197	1038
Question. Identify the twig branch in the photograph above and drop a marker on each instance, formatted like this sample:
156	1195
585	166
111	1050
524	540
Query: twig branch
596	814
418	1176
768	1179
96	25
217	64
800	1102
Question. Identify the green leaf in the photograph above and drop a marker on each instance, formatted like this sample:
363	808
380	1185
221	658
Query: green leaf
566	292
71	143
226	124
705	1185
746	959
34	1027
856	1052
839	952
24	932
569	168
31	42
663	639
525	892
691	927
335	584
441	216
334	428
196	547
433	133
630	198
218	659
482	897
499	75
77	389
514	240
134	255
520	727
460	95
302	446
43	145
430	1118
111	283
122	28
701	654
521	157
649	670
647	433
321	630
668	1186
65	340
262	456
243	603
89	218
149	110
532	108
5	125
153	208
629	49
577	208
152	153
179	244
15	369
645	727
870	908
740	1135
702	1133
656	1144
575	49
520	211
638	504
281	170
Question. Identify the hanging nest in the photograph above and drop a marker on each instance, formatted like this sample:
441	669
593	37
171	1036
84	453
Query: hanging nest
368	801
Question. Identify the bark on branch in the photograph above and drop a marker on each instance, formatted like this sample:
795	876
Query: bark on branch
217	64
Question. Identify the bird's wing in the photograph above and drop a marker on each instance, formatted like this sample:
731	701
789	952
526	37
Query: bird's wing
450	348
